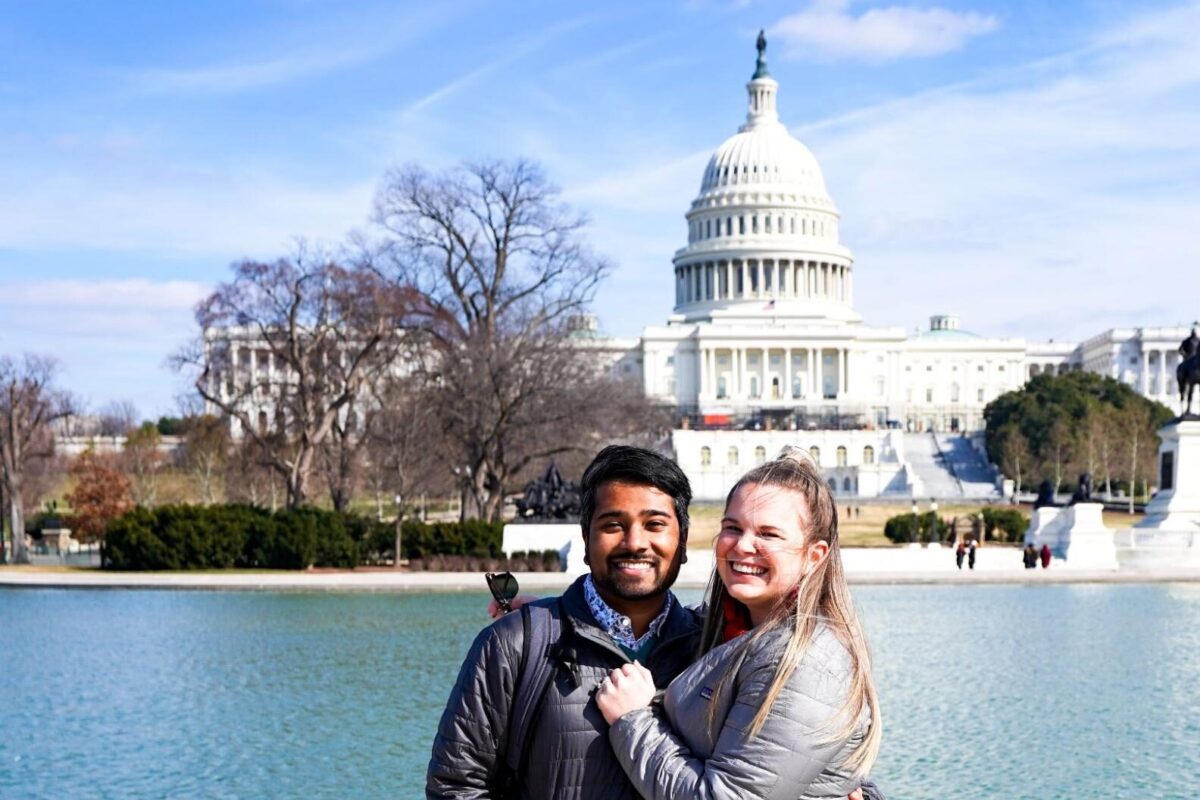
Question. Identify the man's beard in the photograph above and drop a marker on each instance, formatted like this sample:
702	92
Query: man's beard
625	588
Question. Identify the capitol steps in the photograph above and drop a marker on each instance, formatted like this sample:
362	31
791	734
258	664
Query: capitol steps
948	467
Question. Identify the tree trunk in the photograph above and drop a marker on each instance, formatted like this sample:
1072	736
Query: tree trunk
399	534
1133	469
16	508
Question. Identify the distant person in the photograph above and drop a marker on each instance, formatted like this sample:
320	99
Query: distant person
1045	556
971	555
1031	556
960	553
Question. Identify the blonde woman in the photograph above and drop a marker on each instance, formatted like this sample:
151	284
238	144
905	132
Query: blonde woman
781	703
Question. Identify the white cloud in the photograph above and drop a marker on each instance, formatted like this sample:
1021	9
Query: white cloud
1053	201
331	44
827	30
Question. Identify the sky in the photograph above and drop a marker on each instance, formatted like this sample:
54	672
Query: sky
1033	167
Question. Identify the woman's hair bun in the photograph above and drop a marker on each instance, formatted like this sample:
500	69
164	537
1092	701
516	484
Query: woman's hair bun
791	452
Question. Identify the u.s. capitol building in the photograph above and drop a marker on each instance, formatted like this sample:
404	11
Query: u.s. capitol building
764	346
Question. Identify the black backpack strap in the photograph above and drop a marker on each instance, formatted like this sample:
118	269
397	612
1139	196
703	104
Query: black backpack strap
542	626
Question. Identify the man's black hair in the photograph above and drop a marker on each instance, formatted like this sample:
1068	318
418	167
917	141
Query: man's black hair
641	467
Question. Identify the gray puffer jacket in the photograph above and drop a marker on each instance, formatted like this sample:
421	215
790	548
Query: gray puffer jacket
672	752
568	757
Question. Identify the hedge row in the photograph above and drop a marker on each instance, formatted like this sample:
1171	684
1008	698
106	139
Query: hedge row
223	537
1005	524
899	529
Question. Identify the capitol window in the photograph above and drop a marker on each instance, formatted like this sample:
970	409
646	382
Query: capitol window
868	455
929	395
841	456
733	457
979	395
754	224
705	456
767	225
760	455
815	452
742	225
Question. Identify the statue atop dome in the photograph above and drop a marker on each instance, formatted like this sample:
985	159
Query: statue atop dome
760	70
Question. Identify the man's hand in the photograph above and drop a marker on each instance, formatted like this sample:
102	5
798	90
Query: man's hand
494	608
856	794
623	690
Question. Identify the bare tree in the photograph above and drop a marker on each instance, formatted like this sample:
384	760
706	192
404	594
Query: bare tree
1137	430
1061	450
117	418
141	460
502	268
250	478
1016	458
206	452
341	458
286	349
404	458
29	403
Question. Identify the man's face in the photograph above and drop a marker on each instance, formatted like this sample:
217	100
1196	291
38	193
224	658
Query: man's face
633	544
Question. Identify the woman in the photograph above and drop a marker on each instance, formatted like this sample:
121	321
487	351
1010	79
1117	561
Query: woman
781	703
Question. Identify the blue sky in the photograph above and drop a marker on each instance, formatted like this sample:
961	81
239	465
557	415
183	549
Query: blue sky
1030	166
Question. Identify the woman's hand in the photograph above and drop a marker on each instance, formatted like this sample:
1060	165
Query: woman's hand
495	612
623	690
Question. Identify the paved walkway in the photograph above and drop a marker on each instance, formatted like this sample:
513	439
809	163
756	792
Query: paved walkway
387	581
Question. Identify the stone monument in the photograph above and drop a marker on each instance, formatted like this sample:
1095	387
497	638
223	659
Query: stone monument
1169	534
1076	534
548	519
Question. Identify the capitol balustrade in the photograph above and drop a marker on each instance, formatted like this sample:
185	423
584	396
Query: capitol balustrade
830	419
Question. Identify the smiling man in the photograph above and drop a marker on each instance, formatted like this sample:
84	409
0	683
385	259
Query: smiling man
634	520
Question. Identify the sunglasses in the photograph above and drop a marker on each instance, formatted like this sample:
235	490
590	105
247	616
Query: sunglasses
503	586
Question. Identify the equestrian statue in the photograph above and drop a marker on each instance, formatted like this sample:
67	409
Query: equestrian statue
1188	373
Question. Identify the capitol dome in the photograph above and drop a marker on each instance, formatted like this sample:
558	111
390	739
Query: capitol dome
766	154
763	226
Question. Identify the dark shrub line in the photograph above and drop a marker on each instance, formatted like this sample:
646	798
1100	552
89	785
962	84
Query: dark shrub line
235	536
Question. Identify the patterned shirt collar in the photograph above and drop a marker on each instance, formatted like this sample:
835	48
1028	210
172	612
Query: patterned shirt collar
616	624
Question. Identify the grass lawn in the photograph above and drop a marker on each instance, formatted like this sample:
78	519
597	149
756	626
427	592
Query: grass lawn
864	529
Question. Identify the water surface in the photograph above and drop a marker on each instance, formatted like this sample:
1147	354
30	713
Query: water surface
990	691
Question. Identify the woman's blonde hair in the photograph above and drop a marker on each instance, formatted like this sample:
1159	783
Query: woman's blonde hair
821	595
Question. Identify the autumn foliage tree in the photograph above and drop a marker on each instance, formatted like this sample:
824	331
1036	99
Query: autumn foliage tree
101	493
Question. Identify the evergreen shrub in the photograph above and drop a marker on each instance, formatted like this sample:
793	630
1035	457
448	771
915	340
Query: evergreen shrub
898	529
1004	524
181	537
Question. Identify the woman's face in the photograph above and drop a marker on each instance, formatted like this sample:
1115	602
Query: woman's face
761	553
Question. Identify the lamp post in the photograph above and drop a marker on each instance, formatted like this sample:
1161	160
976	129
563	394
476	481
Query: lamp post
933	520
912	530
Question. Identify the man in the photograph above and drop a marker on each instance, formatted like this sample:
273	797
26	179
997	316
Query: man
634	519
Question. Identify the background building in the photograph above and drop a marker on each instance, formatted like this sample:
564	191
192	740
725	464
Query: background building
764	347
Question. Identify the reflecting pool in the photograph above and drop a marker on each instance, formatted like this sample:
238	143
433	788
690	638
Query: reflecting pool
989	691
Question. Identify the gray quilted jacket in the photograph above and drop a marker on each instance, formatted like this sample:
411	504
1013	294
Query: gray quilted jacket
672	752
569	757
